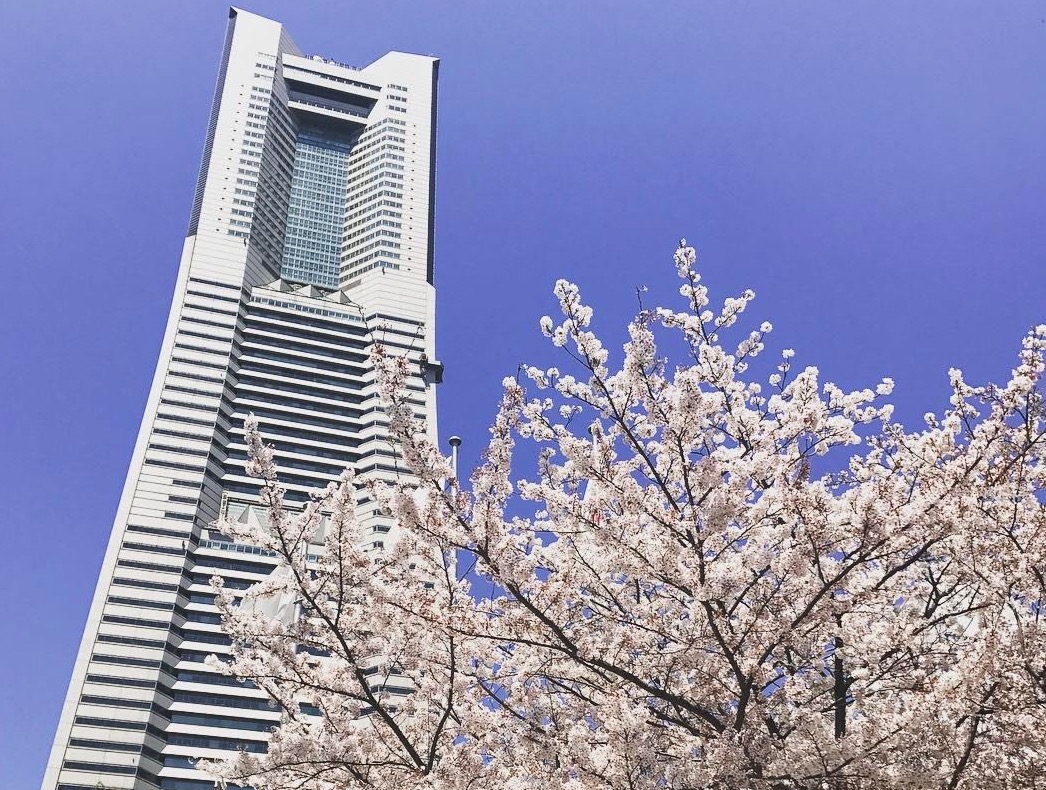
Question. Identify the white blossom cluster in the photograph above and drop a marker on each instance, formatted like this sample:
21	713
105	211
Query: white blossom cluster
691	607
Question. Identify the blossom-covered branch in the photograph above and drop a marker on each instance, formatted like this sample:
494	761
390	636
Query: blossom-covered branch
674	599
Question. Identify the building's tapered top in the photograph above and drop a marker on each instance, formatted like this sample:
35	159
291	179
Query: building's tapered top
334	164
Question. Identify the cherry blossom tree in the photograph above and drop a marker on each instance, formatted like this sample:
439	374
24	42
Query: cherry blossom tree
719	582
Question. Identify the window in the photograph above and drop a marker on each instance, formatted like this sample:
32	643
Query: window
204	720
228	744
109	746
126	660
102	768
116	702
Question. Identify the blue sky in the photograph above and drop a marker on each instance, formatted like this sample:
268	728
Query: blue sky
875	171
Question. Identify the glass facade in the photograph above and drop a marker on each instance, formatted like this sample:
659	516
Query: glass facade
316	219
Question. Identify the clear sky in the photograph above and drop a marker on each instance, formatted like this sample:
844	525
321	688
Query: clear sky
875	171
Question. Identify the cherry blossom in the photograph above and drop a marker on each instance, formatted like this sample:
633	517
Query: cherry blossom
711	579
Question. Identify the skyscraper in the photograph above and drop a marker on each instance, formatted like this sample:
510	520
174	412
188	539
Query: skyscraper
310	237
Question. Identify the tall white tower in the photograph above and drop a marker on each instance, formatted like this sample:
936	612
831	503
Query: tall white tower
310	238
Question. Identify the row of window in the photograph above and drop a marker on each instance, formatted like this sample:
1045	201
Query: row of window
388	256
231	722
116	702
371	194
310	190
373	212
372	139
109	746
149	566
153	548
373	162
371	200
311	482
343	365
312	322
371	169
352	246
167	533
225	700
295	464
172	783
382	252
290	71
189	676
300	354
212	742
145	584
363	155
200	362
348	377
343	421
